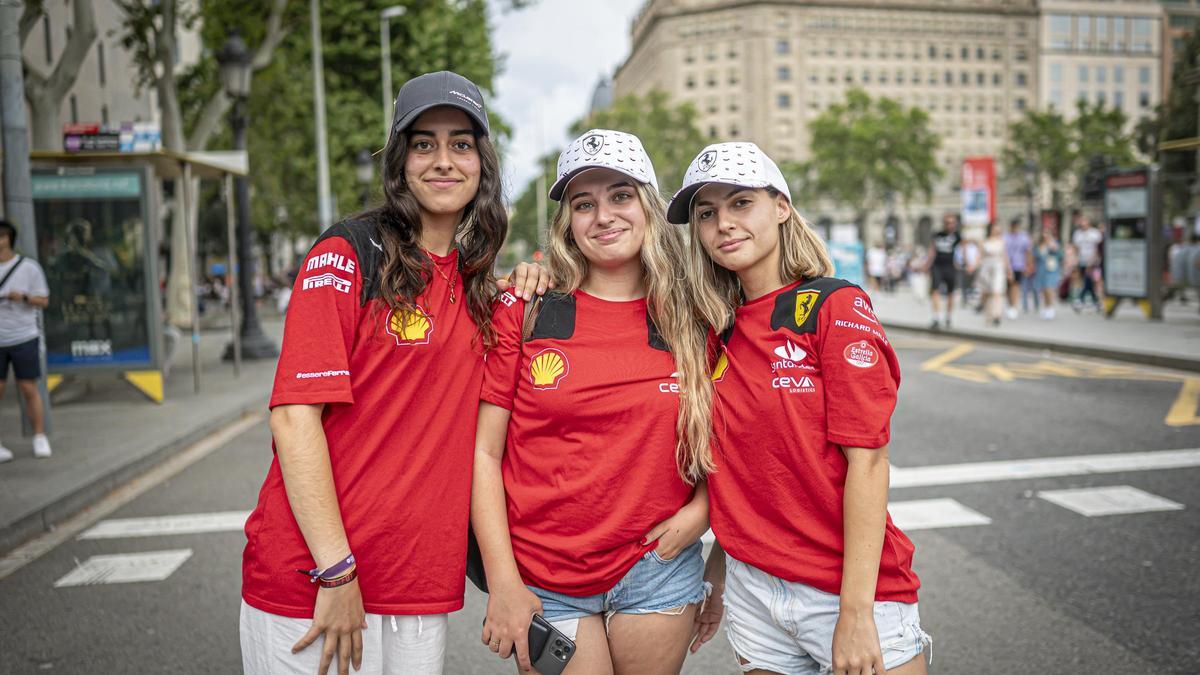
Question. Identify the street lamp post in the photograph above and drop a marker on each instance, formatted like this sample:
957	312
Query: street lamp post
385	46
1030	178
365	172
235	75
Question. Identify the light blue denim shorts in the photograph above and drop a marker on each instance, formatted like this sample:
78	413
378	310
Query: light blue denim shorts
652	585
787	627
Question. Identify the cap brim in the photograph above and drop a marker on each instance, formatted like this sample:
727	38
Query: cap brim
479	119
560	185
679	211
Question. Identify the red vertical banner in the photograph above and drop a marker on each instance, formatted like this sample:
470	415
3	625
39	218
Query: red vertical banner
978	191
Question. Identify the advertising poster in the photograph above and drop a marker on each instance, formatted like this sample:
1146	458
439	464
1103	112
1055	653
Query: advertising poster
1127	210
92	245
978	191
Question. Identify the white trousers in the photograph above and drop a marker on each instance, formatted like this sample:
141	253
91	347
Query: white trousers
392	645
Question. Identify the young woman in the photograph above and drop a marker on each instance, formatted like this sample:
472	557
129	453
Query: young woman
1047	261
995	274
818	578
372	409
593	431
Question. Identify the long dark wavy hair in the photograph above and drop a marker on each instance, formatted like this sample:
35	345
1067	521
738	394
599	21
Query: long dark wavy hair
407	270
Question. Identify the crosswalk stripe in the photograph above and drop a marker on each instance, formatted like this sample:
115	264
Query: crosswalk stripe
1108	501
1049	467
929	514
125	568
191	523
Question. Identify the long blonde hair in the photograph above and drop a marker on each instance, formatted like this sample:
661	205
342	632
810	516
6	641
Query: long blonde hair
670	300
802	255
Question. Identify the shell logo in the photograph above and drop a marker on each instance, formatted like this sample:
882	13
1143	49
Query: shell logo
547	369
722	365
410	327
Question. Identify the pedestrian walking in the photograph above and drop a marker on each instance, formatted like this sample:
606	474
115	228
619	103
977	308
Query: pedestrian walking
817	574
1088	240
994	274
595	525
1048	263
23	293
967	260
373	409
877	266
1018	246
943	270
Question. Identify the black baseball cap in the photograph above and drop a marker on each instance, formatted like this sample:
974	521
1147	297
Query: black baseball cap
434	89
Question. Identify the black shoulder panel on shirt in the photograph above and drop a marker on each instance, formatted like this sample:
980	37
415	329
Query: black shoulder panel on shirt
655	338
797	309
368	249
555	318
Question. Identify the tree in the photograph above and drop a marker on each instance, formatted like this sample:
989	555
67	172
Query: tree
668	133
1176	118
1044	137
864	149
1100	132
45	93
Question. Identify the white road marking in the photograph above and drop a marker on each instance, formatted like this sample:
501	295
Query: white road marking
30	551
125	568
1107	501
928	514
191	523
1049	467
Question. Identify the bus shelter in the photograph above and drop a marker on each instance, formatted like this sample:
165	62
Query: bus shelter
97	218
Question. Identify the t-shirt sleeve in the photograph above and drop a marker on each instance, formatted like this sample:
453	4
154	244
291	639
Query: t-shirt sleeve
503	362
859	369
37	281
318	335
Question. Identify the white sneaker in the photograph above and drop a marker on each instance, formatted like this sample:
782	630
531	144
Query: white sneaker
1012	313
5	454
41	446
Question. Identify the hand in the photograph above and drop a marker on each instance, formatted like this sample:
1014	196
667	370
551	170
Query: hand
708	619
15	296
680	530
525	280
339	616
856	644
506	629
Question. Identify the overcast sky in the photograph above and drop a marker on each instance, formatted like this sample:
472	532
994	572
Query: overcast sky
554	53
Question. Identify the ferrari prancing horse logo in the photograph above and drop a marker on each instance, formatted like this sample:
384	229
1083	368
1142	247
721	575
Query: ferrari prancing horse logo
805	301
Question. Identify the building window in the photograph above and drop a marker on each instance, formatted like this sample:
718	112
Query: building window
1143	75
711	81
711	54
100	61
74	110
883	78
689	57
1118	29
1103	33
813	79
1022	55
712	132
1020	104
980	78
46	39
948	78
104	115
997	79
783	101
1119	74
733	106
691	82
996	56
965	53
932	51
964	78
1083	33
783	73
1056	98
1101	98
1060	31
1118	99
1056	72
1101	74
734	132
979	53
1083	73
782	47
899	77
1143	99
1141	35
866	76
1022	80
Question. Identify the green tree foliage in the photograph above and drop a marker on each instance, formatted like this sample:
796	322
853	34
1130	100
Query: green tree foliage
863	149
1100	131
1044	137
667	131
1175	119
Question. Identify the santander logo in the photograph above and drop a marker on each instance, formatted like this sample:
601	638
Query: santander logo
789	355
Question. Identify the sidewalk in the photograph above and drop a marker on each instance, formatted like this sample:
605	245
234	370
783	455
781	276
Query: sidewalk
112	433
1173	342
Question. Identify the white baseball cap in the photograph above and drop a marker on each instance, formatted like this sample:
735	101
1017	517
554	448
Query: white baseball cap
741	163
603	149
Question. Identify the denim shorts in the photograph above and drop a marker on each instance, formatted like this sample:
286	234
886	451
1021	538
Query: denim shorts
787	627
652	585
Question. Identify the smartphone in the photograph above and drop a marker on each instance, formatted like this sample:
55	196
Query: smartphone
549	650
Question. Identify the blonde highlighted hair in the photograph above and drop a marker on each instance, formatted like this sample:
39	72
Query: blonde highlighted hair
802	255
670	300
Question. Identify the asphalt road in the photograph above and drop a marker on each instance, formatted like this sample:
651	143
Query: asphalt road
1030	586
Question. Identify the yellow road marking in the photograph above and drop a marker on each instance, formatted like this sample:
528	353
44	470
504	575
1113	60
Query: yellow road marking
1183	411
947	356
1001	373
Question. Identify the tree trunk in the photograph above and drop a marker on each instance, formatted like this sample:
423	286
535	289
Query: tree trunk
46	94
44	121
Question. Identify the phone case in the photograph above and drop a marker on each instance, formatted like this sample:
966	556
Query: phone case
549	650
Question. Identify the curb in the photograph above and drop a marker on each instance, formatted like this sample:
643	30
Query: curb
46	518
1140	358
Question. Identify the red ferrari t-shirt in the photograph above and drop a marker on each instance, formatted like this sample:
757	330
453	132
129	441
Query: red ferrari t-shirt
589	465
401	394
805	370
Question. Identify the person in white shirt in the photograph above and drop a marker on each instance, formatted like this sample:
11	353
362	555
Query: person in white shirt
23	292
1087	240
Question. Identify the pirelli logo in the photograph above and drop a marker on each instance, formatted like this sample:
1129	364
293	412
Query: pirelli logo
326	279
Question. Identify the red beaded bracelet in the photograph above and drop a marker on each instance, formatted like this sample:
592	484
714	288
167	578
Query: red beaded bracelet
340	581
